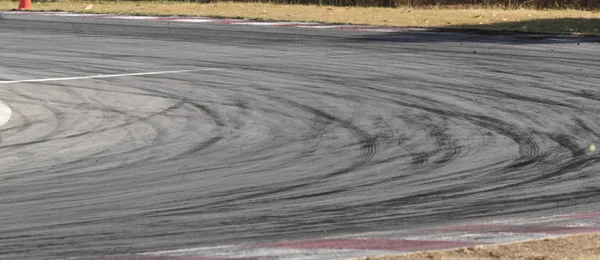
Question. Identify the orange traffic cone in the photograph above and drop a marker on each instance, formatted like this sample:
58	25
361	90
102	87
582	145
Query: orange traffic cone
24	5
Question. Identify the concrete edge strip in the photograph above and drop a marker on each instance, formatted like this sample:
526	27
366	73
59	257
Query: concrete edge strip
403	241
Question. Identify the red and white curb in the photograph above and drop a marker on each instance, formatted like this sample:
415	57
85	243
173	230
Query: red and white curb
225	21
392	242
305	25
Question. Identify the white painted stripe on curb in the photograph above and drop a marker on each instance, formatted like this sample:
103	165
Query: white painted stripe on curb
295	24
186	20
272	253
5	113
72	15
321	26
475	237
260	23
130	17
106	76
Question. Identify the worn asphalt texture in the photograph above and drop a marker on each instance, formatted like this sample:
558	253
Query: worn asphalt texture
282	133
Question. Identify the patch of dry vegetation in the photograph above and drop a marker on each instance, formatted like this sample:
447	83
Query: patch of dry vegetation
525	20
583	246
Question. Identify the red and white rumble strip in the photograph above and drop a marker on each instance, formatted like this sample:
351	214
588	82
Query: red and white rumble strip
391	242
300	25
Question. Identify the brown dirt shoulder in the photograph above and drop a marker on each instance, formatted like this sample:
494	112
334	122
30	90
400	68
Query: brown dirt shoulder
580	246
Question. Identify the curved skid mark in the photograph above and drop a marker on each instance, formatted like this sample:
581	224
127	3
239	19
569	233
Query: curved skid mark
369	145
215	117
528	148
568	142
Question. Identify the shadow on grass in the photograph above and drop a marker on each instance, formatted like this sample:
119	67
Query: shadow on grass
530	31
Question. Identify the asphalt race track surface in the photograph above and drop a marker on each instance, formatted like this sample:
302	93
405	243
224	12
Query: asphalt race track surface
257	134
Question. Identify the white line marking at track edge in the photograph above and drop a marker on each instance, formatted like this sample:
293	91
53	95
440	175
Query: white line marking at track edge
106	76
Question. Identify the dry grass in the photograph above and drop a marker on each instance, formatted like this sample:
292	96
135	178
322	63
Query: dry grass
584	246
546	21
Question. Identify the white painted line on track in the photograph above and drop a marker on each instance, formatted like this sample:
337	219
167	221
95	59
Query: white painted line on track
106	76
5	113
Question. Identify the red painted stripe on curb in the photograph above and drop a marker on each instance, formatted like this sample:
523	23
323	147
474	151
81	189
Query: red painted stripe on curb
519	229
369	244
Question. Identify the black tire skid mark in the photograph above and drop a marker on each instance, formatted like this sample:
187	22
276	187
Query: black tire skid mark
17	128
369	145
321	126
58	116
53	110
387	137
466	212
439	193
577	163
568	142
243	108
524	205
505	207
455	175
418	158
580	123
160	133
240	195
237	124
528	147
101	156
72	165
445	145
191	151
573	165
454	192
535	100
218	121
584	93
